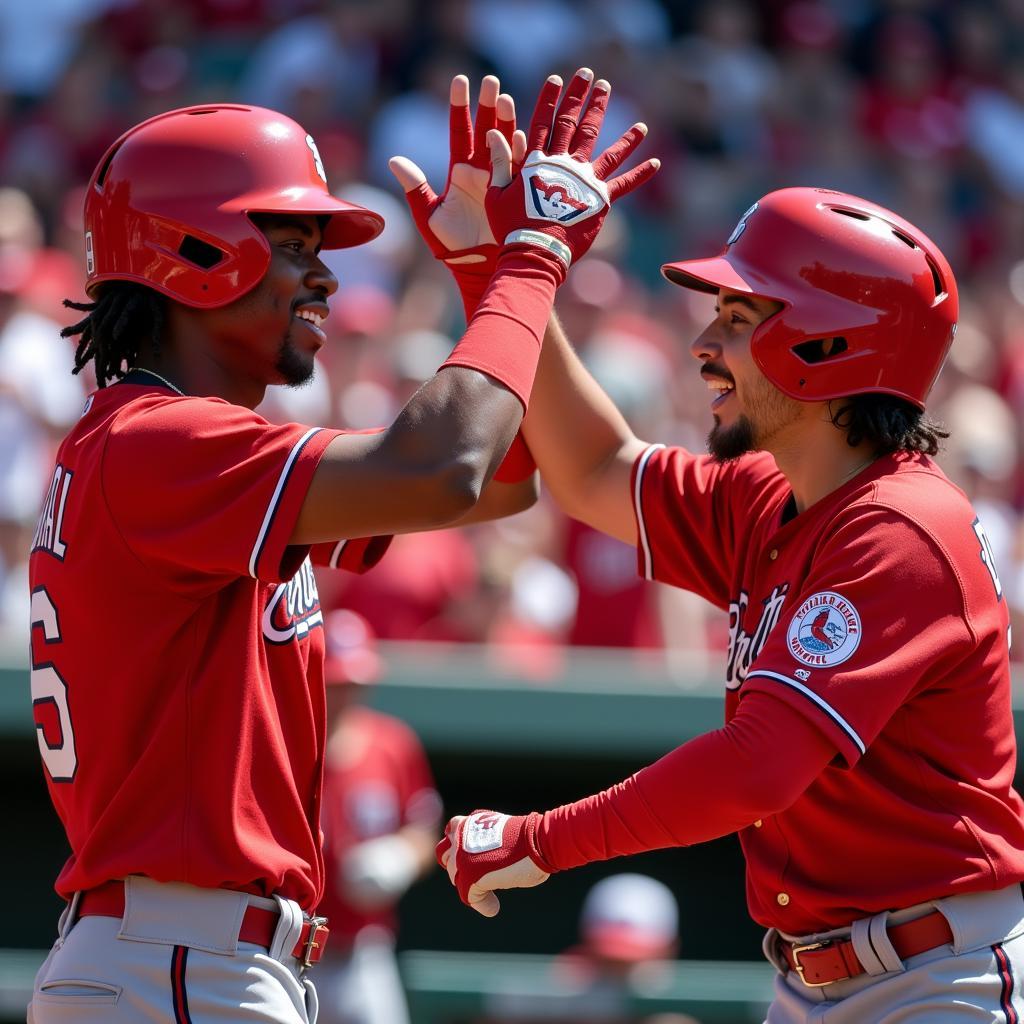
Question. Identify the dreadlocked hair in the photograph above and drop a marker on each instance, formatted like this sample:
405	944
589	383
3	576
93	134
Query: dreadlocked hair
889	424
124	314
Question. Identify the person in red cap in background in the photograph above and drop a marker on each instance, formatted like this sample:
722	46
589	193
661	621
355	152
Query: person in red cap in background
380	817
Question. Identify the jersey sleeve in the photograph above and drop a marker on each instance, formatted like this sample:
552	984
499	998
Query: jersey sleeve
206	490
358	555
881	617
690	510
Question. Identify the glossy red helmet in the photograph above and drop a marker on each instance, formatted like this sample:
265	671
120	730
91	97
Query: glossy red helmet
169	204
847	272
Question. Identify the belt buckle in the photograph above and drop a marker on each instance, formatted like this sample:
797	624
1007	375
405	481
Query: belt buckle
795	951
316	925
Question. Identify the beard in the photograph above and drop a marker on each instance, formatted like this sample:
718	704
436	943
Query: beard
770	412
728	443
294	366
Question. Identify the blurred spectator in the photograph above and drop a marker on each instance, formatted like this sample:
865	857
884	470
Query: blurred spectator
39	400
628	930
381	817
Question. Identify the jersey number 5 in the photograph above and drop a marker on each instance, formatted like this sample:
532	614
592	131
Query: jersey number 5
50	698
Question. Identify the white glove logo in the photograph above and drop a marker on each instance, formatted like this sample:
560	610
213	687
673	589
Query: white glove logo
562	189
483	832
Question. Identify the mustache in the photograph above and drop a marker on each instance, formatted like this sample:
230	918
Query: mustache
713	370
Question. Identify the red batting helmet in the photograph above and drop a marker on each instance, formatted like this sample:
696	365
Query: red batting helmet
844	270
168	206
351	649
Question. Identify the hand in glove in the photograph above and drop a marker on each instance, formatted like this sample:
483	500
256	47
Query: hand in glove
558	199
488	851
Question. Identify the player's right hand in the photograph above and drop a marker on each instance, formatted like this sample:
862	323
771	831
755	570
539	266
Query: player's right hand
489	850
558	199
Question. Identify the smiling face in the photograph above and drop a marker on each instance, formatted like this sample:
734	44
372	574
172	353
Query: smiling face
751	414
272	333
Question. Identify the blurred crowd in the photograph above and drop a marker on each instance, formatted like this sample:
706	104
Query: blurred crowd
916	104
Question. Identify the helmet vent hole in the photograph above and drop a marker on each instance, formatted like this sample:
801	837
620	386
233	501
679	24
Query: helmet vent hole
819	350
201	253
850	213
101	177
199	113
905	239
940	288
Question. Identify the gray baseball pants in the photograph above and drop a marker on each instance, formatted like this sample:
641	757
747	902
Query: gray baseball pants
174	956
976	978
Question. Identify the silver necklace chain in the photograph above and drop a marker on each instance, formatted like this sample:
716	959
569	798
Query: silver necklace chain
163	380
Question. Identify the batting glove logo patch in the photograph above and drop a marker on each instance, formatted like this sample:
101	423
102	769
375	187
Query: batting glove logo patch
484	831
561	189
825	630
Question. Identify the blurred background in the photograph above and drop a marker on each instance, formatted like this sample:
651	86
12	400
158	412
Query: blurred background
527	657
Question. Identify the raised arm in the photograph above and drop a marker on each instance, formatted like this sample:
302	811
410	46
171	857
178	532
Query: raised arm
429	467
583	446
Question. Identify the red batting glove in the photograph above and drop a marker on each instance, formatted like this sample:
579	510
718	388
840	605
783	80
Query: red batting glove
454	224
557	201
488	851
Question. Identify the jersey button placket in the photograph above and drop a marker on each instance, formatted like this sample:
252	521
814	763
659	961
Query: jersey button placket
773	554
782	899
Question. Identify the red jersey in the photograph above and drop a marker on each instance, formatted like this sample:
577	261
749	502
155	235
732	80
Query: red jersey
878	614
375	783
177	649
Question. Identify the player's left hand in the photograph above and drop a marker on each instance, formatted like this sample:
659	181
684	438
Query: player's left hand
489	850
454	224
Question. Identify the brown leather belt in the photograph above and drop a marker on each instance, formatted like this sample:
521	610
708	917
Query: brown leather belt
821	963
258	925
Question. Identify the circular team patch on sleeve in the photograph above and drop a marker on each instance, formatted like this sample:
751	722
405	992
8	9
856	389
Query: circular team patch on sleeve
824	631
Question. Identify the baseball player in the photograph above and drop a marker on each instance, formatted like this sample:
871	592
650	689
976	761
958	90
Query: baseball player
380	816
868	753
177	649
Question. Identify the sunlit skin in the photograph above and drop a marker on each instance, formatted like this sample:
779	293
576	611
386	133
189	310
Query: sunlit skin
751	414
236	351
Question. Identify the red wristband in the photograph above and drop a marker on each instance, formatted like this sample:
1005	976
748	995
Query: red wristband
504	337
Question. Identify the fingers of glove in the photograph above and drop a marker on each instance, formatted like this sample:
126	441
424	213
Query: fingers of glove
408	174
569	109
505	112
486	114
443	849
617	153
483	901
518	149
460	125
631	179
544	112
419	195
501	159
590	124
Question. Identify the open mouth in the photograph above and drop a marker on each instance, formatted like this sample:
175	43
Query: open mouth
312	321
721	389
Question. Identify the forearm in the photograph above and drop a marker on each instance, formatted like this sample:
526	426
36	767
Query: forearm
580	440
711	786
